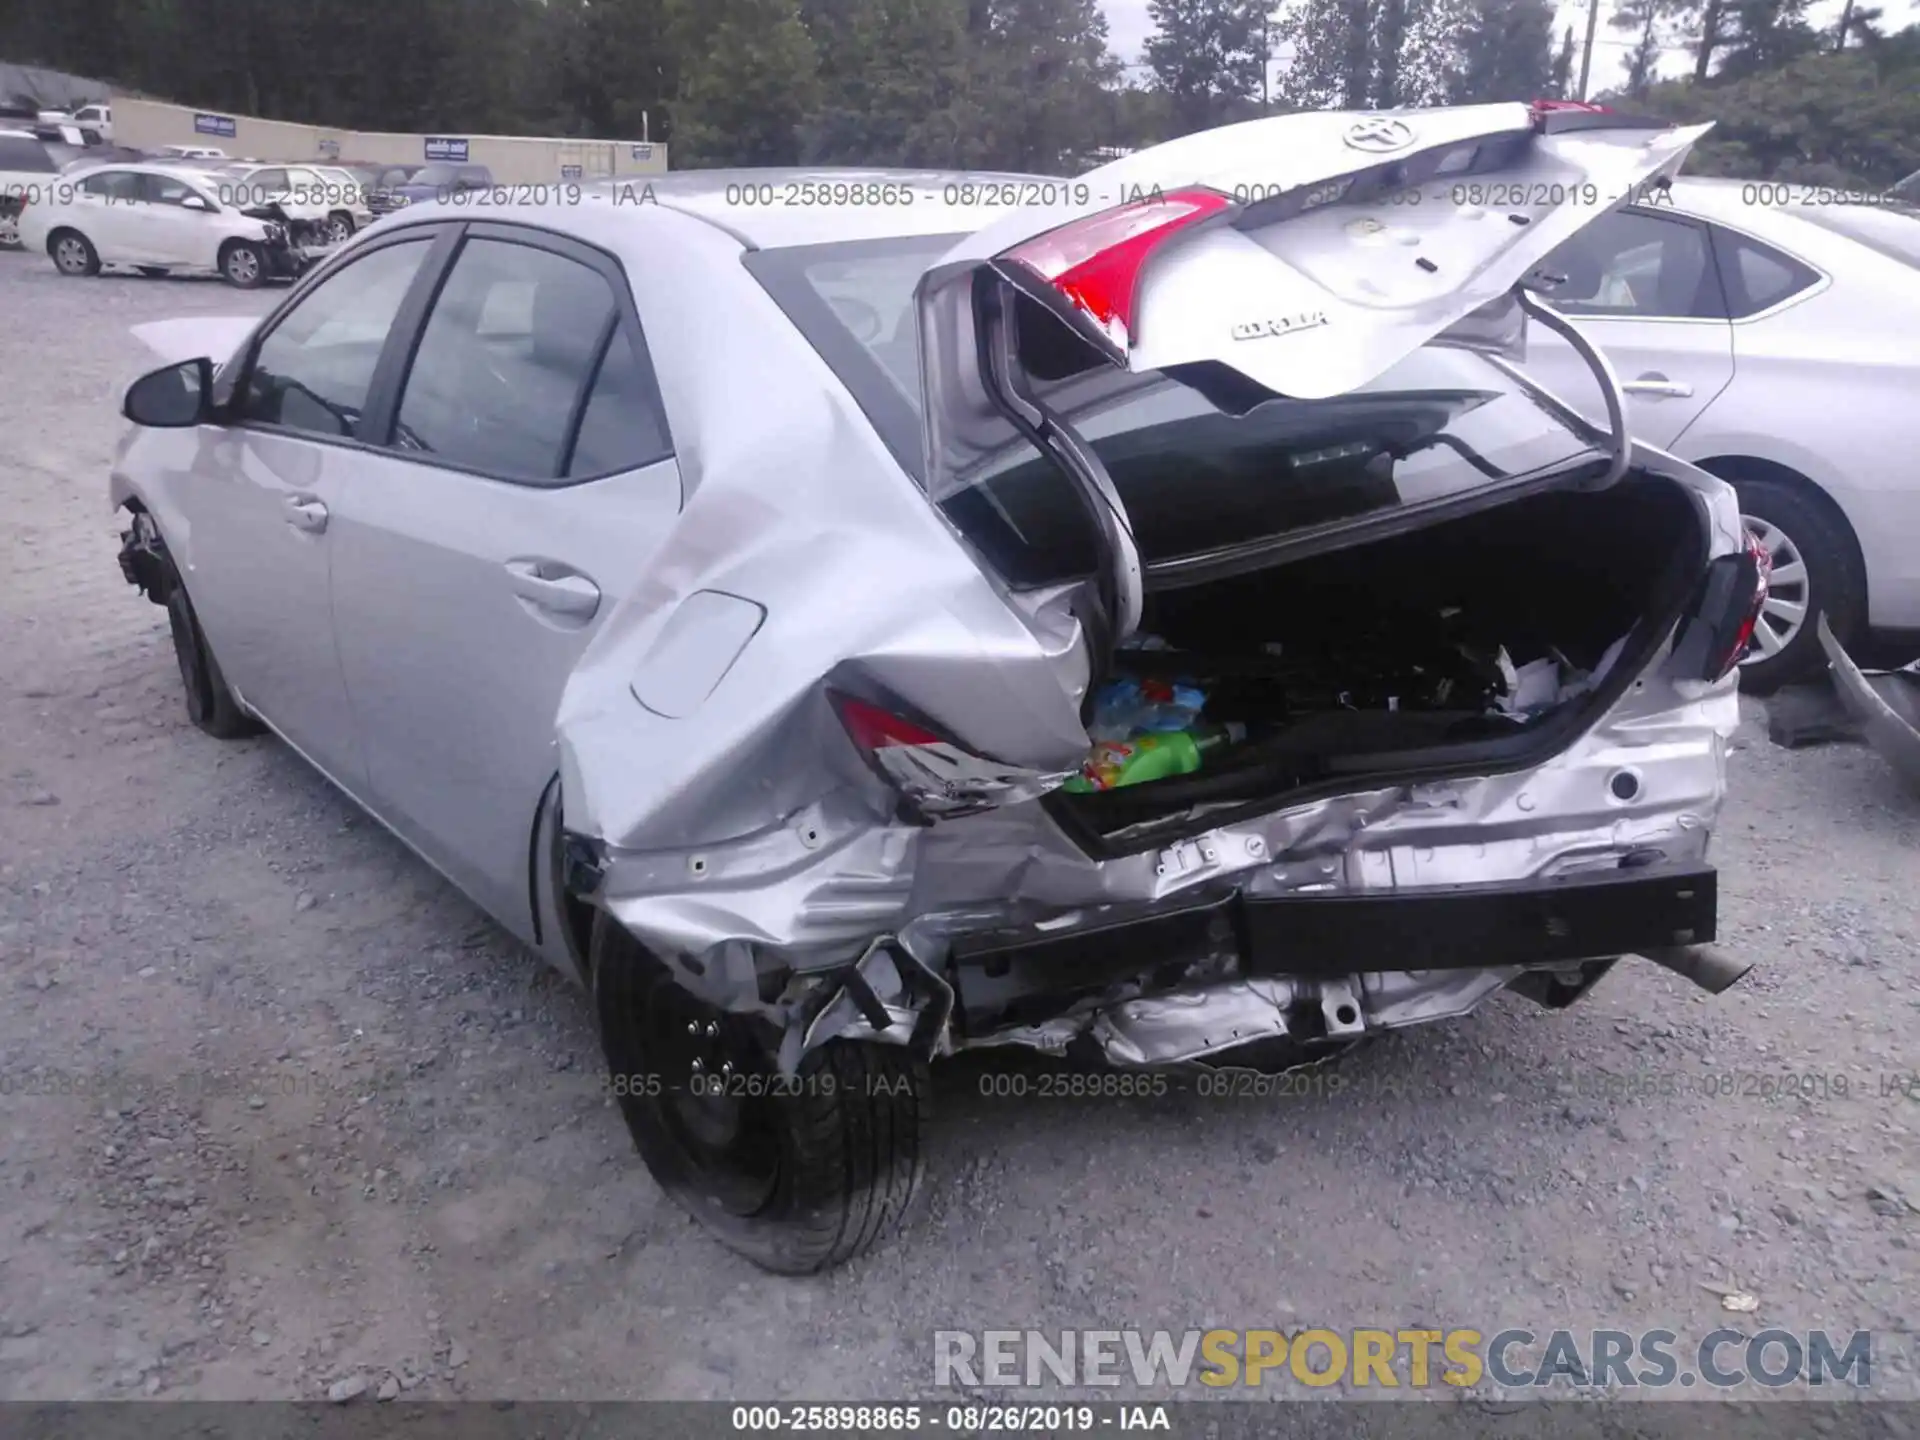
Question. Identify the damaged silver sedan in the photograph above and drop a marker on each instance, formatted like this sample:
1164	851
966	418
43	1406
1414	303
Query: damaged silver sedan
1163	626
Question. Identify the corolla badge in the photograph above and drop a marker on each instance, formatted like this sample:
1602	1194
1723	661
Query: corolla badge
1283	325
1379	135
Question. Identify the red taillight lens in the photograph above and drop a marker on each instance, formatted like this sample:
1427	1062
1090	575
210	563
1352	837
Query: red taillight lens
1093	265
1547	107
1743	632
871	727
1726	609
936	778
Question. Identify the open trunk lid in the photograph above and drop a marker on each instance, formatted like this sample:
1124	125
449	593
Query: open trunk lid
1300	256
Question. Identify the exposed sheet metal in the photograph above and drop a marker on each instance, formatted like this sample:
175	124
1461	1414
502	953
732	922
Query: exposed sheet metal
1887	705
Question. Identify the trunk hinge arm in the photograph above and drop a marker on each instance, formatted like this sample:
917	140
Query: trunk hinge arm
1006	387
1619	442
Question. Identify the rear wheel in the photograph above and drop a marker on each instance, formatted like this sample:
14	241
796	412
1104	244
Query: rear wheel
243	264
339	227
73	253
795	1174
1816	571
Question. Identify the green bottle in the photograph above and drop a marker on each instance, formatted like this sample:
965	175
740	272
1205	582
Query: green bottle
1155	756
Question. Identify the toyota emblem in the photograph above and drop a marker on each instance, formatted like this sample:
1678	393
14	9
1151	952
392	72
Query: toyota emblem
1379	135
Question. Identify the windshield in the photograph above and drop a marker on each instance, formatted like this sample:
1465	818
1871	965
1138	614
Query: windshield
1194	476
1892	229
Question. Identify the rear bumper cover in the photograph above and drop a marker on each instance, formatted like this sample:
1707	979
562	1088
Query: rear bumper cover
1599	914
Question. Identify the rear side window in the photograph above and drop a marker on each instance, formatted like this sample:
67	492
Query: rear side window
22	155
1632	264
1757	276
115	185
518	352
313	371
620	428
169	190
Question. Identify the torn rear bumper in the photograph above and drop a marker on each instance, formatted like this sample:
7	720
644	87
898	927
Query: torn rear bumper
1886	705
1180	982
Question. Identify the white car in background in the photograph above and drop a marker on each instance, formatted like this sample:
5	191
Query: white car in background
193	152
335	207
157	219
28	165
1770	333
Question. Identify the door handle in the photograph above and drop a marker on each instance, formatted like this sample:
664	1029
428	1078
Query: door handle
306	513
552	588
1654	383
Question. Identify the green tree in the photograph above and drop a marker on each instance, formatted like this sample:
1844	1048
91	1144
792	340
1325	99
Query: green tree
1651	23
1560	76
1851	119
1504	51
1038	84
748	80
1369	54
1205	55
892	80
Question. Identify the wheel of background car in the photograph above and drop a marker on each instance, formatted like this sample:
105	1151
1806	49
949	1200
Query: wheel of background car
339	227
9	231
243	264
210	703
73	253
1816	570
797	1175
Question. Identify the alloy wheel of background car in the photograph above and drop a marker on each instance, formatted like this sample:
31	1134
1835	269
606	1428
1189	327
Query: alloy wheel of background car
796	1174
1816	571
339	229
9	232
1785	613
243	266
73	254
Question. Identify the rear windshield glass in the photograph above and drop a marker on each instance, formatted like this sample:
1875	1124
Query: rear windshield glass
1893	229
1193	477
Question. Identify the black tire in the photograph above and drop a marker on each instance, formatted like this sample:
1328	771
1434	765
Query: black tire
339	227
243	264
796	1181
72	253
1835	583
210	703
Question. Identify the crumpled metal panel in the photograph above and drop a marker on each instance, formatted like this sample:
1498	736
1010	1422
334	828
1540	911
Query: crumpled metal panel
753	825
1886	705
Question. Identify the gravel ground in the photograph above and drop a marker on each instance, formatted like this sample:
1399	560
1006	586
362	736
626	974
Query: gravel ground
336	1127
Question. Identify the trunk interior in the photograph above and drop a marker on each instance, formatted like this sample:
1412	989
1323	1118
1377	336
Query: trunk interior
1473	645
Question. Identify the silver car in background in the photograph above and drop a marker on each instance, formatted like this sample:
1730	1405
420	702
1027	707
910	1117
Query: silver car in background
1770	333
845	619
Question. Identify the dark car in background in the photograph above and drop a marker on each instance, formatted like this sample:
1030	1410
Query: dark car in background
434	182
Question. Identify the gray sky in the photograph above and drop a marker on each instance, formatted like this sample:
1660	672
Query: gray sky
1127	20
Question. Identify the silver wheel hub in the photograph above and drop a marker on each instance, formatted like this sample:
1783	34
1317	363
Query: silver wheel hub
1788	592
241	265
70	254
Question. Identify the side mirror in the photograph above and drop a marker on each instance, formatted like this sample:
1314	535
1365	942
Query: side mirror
194	202
172	398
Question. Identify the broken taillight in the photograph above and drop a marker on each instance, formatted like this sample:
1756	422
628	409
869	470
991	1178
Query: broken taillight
1726	610
1088	270
935	778
1586	107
